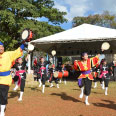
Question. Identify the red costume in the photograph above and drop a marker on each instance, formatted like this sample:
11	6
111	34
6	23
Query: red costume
85	68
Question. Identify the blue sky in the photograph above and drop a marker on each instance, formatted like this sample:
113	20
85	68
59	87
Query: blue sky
83	8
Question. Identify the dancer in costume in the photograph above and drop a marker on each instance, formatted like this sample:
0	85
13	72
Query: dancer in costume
105	74
51	79
20	76
59	69
113	69
64	69
85	79
101	80
42	73
6	59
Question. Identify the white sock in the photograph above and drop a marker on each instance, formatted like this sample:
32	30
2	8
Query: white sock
16	86
51	85
21	95
103	85
43	89
57	85
65	82
106	90
60	81
81	95
2	110
86	100
40	83
95	85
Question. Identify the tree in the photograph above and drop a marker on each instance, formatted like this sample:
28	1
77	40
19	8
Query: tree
16	15
105	20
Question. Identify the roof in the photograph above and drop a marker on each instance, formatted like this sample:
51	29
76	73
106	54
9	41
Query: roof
85	37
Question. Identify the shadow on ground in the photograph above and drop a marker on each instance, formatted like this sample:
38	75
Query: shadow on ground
13	94
64	96
108	104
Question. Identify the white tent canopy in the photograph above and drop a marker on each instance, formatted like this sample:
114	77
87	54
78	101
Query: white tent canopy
85	37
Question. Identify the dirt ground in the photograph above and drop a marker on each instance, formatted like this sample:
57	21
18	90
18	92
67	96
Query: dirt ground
64	101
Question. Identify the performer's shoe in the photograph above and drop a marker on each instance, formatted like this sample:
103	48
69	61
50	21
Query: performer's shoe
51	85
81	96
57	85
94	87
103	87
16	87
87	103
21	95
2	114
106	93
86	100
60	81
65	82
106	90
43	89
48	81
20	99
3	108
40	84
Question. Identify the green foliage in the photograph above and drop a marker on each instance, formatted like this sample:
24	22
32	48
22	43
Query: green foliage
105	20
16	15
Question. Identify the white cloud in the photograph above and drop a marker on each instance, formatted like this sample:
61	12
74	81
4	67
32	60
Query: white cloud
82	7
61	7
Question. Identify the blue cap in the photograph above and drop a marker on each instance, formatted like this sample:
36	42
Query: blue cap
1	43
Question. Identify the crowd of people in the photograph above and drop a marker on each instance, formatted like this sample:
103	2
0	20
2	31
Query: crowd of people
86	70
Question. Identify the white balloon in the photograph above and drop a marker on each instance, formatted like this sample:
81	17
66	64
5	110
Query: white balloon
105	46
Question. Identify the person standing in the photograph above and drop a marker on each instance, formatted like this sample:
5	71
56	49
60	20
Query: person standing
20	76
85	79
6	60
95	72
35	69
105	74
42	73
51	79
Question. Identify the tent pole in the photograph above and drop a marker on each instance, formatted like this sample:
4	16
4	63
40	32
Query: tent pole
29	63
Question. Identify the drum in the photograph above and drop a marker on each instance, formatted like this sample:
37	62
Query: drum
65	74
105	46
30	47
58	74
27	35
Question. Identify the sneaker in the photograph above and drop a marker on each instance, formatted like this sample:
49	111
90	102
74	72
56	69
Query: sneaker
87	103
15	88
57	86
81	96
40	85
19	99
